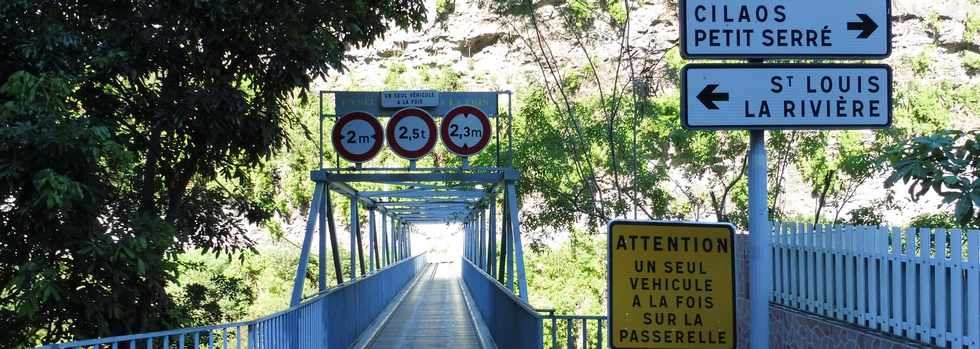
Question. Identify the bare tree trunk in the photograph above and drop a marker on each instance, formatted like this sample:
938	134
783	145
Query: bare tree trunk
822	200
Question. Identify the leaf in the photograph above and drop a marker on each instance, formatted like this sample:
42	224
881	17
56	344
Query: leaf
964	211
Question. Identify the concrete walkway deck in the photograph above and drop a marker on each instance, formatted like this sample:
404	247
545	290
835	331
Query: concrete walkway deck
433	314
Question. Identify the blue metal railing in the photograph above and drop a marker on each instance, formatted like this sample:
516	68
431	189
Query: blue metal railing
351	306
573	331
512	323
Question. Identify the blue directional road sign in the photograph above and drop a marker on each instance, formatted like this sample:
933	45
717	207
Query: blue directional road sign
786	96
789	28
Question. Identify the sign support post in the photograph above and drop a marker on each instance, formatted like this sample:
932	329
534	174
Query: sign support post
760	262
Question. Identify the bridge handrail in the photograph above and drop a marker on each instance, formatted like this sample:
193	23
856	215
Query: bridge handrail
512	322
148	335
250	324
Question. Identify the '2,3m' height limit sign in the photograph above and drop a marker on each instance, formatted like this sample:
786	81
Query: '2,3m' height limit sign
790	28
777	96
671	285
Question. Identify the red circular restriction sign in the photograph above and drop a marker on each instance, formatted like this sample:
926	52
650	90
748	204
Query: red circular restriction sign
465	130
411	133
357	137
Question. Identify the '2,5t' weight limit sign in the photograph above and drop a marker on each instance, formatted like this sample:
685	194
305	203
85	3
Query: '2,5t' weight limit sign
790	28
411	133
775	96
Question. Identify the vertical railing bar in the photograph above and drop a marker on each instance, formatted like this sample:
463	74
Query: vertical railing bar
599	342
568	334
896	289
847	277
925	285
839	275
554	333
973	288
956	288
872	251
939	261
811	261
821	274
585	333
910	294
860	275
884	277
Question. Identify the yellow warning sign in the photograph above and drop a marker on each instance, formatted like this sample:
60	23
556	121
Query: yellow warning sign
671	285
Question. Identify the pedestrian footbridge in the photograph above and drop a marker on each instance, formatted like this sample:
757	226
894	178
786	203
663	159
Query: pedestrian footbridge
394	297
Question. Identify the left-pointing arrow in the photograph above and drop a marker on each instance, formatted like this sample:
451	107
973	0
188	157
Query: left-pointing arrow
867	26
708	97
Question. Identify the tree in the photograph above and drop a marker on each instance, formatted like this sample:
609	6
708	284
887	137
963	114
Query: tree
946	163
128	132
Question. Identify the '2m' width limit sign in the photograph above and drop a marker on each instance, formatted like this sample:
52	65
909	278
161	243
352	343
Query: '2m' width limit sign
775	96
790	28
671	285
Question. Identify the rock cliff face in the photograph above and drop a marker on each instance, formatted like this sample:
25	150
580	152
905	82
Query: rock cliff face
487	49
934	42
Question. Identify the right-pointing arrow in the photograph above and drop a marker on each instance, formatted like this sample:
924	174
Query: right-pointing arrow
708	97
867	26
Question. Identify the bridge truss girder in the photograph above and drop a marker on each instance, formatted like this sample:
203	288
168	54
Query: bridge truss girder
436	195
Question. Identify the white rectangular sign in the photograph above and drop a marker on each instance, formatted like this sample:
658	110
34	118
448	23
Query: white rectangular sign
402	99
371	102
768	29
786	96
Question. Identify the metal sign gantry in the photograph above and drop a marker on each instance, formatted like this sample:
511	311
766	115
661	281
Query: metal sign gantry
467	195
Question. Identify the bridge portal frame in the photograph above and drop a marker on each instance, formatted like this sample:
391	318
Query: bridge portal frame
465	194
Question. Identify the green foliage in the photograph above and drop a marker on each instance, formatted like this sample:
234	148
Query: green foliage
933	220
674	65
131	131
921	62
920	108
972	26
971	62
946	163
933	24
579	15
866	215
617	12
444	79
569	278
393	77
444	8
242	287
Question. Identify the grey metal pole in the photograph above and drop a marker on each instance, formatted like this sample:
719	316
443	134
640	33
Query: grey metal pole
353	238
469	240
338	270
304	255
321	129
384	239
323	243
518	246
371	242
760	260
493	236
482	260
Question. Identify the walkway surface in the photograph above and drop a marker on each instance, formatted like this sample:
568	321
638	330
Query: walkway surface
432	315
